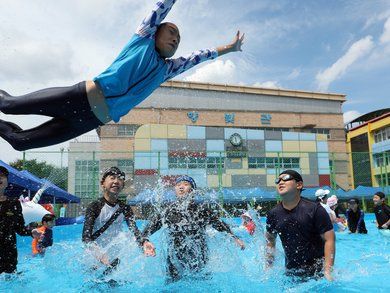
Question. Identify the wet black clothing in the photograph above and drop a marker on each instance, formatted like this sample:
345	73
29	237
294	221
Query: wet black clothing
356	221
187	243
382	215
69	107
47	238
339	210
300	231
11	222
93	212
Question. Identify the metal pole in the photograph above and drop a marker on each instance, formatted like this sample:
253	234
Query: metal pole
220	194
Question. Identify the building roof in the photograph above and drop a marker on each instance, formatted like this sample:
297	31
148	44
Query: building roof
368	117
253	90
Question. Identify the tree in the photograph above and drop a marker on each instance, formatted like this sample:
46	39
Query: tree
57	175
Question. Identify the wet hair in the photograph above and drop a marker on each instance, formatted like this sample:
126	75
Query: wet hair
380	194
113	171
48	218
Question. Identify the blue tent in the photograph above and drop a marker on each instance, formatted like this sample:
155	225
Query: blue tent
52	193
23	182
18	183
365	191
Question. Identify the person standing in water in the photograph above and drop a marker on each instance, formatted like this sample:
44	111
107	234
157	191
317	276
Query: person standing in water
304	228
355	217
142	66
186	222
104	218
381	210
11	222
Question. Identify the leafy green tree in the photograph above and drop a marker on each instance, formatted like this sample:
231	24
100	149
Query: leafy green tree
57	175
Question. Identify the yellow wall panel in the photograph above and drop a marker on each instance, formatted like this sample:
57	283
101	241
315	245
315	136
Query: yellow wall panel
271	180
304	164
159	131
244	163
177	131
212	180
142	144
256	172
143	131
237	171
291	146
322	137
226	180
272	155
307	146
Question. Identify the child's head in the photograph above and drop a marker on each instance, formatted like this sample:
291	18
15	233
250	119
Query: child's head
167	39
379	198
48	220
353	204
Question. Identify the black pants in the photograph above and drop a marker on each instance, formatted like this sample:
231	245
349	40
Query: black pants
69	107
8	260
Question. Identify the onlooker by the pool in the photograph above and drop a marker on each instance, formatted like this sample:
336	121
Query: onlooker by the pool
338	223
322	197
104	218
11	222
381	210
186	222
355	217
304	228
46	239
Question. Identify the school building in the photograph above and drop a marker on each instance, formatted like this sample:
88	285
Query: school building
222	135
368	144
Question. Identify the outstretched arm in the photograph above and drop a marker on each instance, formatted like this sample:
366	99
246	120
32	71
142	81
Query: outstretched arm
149	25
234	46
182	64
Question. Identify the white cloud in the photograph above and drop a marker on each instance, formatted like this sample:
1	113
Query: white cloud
356	51
271	84
217	71
385	37
350	115
294	74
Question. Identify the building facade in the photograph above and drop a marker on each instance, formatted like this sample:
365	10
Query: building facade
368	144
228	136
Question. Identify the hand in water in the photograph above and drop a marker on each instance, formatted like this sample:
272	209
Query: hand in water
328	275
240	243
149	249
104	260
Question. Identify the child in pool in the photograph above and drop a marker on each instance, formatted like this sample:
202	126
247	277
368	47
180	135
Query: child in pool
140	68
39	245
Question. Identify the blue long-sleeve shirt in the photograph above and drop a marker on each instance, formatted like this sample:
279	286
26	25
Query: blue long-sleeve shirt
139	69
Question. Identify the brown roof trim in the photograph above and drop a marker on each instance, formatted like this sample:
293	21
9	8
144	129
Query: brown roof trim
253	90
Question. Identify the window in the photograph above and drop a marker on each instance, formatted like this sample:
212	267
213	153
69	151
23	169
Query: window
322	131
127	129
126	166
195	162
87	178
382	159
273	162
382	135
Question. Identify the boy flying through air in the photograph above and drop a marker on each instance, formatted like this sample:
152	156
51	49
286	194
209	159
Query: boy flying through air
142	66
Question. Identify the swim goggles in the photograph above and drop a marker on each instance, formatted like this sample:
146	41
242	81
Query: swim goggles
285	177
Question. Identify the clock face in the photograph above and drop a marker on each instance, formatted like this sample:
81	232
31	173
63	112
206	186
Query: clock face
236	139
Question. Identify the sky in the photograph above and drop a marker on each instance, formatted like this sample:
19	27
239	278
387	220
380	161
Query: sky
319	45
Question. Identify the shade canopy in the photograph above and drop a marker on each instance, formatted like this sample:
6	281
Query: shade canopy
23	182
